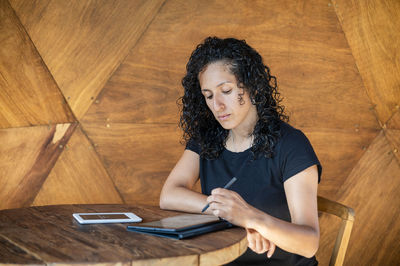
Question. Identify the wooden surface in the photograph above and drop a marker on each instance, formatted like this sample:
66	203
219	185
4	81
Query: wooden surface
372	30
306	50
138	157
122	61
392	133
346	214
83	53
78	181
28	93
394	122
38	235
338	151
372	190
27	157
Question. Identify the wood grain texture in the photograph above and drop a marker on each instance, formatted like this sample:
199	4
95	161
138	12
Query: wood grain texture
82	54
394	122
338	150
28	93
329	226
302	43
13	254
393	136
27	157
372	30
78	177
224	256
372	190
51	233
138	157
305	47
346	214
181	260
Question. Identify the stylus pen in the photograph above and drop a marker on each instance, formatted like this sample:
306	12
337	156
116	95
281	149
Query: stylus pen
228	185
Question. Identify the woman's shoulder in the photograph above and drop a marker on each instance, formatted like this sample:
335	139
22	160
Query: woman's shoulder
288	131
193	145
292	138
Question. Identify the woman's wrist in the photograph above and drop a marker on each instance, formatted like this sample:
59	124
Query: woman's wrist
255	218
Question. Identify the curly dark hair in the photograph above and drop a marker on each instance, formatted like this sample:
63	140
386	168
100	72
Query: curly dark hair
196	119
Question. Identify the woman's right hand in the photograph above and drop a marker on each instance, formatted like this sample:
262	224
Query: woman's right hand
258	243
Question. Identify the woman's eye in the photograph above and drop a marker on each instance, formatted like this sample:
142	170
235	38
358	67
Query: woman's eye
209	97
227	91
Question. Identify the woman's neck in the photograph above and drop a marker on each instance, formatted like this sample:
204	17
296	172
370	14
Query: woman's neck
241	137
238	143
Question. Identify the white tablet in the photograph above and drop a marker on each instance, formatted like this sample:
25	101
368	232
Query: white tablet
106	217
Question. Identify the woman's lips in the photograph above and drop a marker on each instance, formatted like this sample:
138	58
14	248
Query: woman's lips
223	117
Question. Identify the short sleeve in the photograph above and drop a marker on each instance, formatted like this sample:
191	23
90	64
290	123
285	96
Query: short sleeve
193	146
297	154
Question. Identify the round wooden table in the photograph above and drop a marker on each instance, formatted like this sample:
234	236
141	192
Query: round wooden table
49	234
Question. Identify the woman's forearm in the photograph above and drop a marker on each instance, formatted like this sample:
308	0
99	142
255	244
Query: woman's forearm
293	238
183	199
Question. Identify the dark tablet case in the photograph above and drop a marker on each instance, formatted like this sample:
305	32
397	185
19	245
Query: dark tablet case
182	233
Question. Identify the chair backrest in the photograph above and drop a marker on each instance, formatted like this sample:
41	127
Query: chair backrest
343	236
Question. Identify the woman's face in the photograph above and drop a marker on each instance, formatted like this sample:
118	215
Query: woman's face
222	95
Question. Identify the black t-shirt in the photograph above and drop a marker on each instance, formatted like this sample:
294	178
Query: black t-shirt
260	183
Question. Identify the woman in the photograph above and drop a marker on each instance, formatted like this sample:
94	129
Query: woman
234	126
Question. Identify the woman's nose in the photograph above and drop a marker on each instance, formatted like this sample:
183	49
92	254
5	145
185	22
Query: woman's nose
218	104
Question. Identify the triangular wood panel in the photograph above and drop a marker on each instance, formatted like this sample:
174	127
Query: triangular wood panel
372	190
82	42
138	157
305	48
145	88
394	122
28	93
118	64
27	155
393	136
78	177
338	150
372	30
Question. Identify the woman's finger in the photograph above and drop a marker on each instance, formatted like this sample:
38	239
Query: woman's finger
271	249
251	239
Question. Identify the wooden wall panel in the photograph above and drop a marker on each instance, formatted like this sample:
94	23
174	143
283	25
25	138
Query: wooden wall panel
372	30
82	53
302	42
394	122
28	93
392	132
393	136
138	157
338	150
372	190
305	47
26	157
78	177
128	58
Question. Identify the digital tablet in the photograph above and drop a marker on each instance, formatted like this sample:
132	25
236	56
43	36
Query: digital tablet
181	226
179	222
106	217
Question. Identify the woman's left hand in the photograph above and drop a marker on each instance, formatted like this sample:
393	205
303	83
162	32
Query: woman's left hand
258	243
230	206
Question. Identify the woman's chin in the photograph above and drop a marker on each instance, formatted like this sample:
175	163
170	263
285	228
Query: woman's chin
226	126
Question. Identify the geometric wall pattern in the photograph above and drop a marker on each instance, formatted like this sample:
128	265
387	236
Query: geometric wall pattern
88	95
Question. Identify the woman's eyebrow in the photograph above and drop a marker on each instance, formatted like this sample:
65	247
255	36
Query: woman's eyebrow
222	83
219	85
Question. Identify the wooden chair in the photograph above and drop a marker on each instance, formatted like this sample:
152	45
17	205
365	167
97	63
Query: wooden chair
343	236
